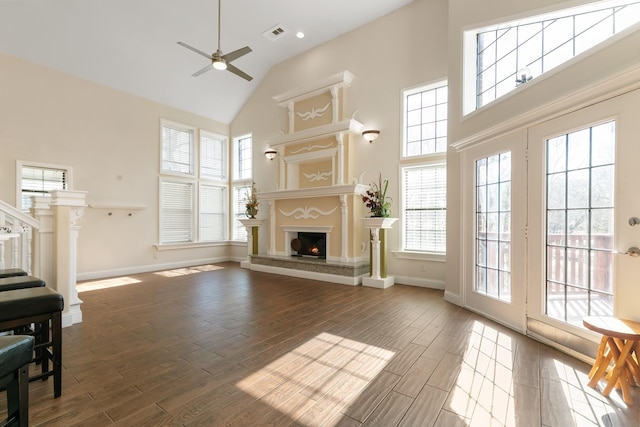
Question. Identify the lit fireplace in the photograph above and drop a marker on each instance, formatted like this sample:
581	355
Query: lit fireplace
312	245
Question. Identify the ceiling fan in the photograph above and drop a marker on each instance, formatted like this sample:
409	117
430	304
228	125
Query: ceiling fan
220	61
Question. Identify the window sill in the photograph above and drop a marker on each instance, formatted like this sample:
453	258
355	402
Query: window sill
421	256
189	245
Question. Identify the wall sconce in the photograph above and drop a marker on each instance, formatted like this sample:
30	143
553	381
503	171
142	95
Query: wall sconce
370	135
524	75
270	154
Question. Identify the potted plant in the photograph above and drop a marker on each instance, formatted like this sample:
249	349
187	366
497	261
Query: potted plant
252	202
376	199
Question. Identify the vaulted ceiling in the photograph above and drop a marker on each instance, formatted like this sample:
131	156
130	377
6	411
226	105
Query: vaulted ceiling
131	45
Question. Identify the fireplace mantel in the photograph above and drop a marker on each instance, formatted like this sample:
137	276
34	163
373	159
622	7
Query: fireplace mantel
303	193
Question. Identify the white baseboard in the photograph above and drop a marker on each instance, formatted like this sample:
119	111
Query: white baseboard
93	275
452	298
420	282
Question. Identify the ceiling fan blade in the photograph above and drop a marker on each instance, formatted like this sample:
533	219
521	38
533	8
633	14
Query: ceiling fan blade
202	71
236	54
206	55
238	72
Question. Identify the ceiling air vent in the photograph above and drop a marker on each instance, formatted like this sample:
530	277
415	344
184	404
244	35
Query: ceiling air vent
276	32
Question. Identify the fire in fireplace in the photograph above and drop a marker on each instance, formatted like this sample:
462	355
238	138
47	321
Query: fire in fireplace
312	245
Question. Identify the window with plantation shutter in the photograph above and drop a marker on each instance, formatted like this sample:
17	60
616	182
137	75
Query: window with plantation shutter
177	150
240	196
212	157
425	204
424	171
193	208
176	212
242	180
40	181
212	213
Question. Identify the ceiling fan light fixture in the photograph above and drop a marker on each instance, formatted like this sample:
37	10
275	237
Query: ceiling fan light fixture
220	64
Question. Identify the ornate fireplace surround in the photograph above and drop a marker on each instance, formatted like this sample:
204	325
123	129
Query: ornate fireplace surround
314	194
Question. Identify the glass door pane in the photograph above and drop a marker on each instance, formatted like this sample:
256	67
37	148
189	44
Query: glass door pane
579	223
493	226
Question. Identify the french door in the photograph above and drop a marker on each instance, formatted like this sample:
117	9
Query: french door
494	224
582	194
548	217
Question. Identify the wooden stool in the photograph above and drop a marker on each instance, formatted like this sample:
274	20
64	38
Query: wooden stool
43	307
15	355
620	344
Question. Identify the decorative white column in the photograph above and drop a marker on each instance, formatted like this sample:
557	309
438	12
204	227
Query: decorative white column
378	252
252	226
344	223
67	207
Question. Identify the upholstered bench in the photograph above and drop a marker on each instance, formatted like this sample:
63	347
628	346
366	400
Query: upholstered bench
11	272
43	307
11	283
16	352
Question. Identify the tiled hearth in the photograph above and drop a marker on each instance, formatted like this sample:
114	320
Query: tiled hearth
348	273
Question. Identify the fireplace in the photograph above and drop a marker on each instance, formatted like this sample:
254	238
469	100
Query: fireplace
313	245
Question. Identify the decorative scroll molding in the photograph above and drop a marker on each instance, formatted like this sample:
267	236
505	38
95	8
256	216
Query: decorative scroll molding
309	115
311	147
307	212
320	176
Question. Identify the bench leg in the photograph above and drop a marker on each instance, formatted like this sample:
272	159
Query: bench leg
56	334
18	398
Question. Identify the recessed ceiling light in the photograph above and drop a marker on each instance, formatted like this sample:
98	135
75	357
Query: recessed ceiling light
300	34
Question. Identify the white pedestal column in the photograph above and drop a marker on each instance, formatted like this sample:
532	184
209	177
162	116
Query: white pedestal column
252	226
67	207
378	277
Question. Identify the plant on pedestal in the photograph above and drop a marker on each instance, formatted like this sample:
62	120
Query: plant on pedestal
252	202
376	199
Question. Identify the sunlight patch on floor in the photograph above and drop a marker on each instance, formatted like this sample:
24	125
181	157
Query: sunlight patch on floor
326	371
493	387
106	283
188	270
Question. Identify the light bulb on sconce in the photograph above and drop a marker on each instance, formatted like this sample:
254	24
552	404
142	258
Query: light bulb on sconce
371	135
270	154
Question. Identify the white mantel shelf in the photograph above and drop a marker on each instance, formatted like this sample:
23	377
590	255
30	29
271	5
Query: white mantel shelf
349	125
301	193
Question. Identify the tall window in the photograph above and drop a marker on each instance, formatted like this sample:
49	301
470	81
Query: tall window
423	169
192	193
579	223
40	180
508	51
242	179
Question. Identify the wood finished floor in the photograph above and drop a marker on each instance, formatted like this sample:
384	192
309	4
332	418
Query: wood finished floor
222	346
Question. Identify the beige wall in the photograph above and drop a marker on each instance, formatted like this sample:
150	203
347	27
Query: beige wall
111	140
404	49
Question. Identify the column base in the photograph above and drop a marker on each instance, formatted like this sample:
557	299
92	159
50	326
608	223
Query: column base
382	283
246	263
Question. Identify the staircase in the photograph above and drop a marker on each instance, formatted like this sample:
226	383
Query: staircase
45	244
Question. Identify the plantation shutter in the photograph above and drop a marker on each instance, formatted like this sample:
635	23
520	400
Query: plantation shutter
176	212
177	150
212	162
40	182
425	208
240	201
212	213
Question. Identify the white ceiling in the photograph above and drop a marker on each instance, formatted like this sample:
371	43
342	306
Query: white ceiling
131	44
